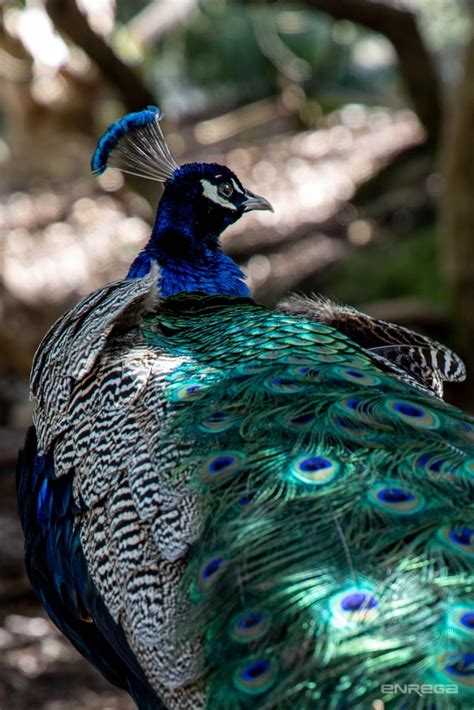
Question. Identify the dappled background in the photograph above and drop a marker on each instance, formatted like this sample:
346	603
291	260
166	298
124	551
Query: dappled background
355	118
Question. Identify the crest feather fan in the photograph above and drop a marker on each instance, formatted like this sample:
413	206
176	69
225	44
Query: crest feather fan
135	144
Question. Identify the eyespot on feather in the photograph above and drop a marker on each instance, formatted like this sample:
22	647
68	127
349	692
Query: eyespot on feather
221	465
314	469
465	431
459	540
219	421
460	621
283	385
353	606
357	376
302	421
249	626
458	668
414	414
190	391
245	499
393	498
257	676
211	570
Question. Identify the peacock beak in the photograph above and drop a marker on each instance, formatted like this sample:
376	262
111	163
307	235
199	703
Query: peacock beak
255	202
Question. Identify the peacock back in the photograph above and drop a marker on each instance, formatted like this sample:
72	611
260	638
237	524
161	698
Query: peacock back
259	514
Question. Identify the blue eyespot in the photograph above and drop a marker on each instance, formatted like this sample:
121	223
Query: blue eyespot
353	607
256	676
358	601
219	421
255	670
467	620
315	463
314	469
462	536
408	410
220	462
359	377
460	620
413	414
460	539
395	495
191	391
465	431
458	668
212	567
249	626
299	422
461	664
434	466
247	498
391	498
352	403
211	570
284	385
221	466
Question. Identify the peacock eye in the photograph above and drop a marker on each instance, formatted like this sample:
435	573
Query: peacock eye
225	189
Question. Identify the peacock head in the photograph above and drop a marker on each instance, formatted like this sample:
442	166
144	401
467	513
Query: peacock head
199	201
135	144
216	192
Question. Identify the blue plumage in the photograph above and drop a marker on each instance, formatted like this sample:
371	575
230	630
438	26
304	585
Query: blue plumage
192	214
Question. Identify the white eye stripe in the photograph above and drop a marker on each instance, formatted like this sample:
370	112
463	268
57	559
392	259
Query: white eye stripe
210	191
236	187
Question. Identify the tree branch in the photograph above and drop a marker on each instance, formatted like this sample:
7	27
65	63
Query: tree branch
399	26
69	20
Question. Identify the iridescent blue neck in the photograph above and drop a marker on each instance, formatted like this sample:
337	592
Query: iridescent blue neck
186	247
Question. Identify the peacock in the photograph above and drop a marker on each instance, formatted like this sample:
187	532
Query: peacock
231	507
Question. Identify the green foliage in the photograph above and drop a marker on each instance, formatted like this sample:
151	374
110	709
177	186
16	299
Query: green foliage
220	47
401	268
247	52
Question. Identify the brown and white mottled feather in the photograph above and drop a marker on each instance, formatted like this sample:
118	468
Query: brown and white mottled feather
414	358
137	525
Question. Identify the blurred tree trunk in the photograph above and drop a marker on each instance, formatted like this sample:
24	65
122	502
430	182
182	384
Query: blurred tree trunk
458	206
34	127
70	21
417	68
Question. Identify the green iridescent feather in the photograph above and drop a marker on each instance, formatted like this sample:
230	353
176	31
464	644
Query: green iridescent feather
337	548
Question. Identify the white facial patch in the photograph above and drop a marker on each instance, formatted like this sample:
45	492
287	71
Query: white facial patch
236	187
210	191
